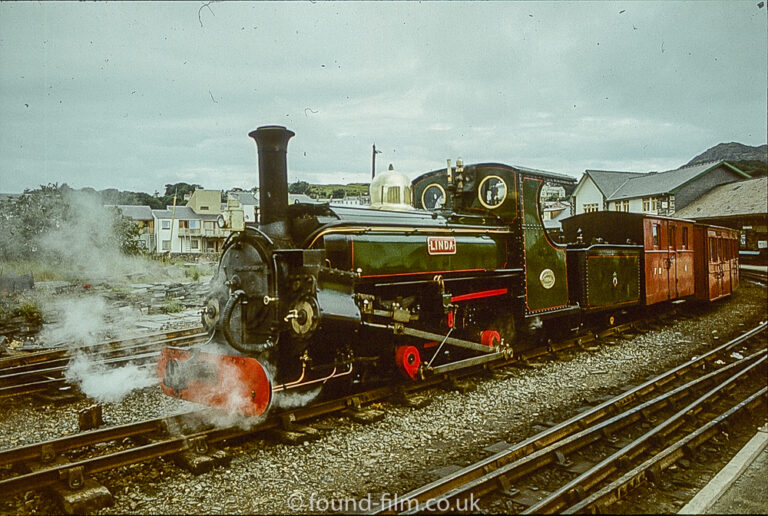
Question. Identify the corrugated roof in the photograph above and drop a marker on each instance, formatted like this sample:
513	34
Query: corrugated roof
741	198
662	182
608	181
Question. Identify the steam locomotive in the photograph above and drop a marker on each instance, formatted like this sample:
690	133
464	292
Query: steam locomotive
450	270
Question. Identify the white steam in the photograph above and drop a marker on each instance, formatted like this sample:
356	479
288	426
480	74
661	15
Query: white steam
84	321
105	384
288	399
87	247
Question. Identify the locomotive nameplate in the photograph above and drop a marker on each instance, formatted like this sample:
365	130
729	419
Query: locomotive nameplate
441	245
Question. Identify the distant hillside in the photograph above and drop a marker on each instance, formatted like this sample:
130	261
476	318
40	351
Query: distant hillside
326	191
732	152
752	160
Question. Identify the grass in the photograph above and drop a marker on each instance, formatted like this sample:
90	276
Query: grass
40	271
172	306
192	272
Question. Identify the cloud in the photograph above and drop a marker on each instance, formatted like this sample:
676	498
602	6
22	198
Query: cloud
137	95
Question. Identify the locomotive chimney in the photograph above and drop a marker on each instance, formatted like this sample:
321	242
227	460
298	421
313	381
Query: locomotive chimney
272	143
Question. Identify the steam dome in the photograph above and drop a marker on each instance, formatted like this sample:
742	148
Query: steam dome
391	190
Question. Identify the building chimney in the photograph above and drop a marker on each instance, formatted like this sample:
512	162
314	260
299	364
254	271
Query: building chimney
272	143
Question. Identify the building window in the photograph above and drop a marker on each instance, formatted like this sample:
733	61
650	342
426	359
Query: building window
166	245
617	206
208	225
204	208
655	231
165	224
654	204
685	238
625	205
590	207
646	205
195	244
194	224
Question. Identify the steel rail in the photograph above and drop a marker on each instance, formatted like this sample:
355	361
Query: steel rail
532	458
14	378
45	374
173	445
62	357
555	434
56	352
581	485
652	467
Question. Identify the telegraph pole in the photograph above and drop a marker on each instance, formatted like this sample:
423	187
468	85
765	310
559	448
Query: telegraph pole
373	163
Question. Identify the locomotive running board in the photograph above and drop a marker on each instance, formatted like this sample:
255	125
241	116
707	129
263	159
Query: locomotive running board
426	335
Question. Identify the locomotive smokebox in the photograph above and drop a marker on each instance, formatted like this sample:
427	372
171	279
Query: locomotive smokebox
272	143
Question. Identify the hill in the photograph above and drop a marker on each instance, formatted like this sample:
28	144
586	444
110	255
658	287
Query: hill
752	160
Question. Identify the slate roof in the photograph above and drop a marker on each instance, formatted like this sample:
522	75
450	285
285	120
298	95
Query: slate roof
135	212
608	181
250	199
741	198
650	184
555	223
245	198
183	213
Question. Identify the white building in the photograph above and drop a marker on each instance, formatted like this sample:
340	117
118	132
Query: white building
660	193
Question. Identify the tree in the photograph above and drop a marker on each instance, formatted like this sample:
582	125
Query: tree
299	187
337	193
180	189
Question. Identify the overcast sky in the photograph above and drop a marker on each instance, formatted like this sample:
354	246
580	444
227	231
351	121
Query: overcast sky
137	95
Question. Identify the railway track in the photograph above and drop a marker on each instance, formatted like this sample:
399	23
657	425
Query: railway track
71	459
26	373
165	440
690	402
755	274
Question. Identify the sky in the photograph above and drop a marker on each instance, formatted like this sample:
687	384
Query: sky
137	95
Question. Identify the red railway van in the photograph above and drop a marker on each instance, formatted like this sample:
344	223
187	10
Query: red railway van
669	258
667	265
717	261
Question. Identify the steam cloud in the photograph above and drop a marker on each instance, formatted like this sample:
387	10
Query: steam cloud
103	384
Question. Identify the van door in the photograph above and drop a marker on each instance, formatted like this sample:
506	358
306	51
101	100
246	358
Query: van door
672	259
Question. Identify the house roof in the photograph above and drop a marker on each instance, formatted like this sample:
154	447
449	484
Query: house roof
608	181
245	198
555	222
732	199
183	213
135	212
666	182
551	175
